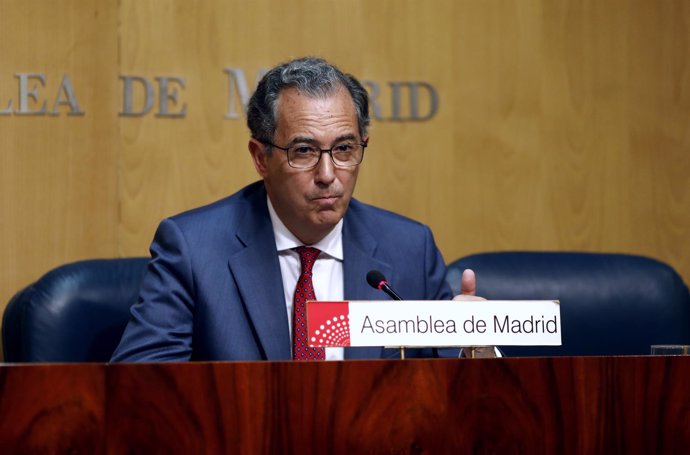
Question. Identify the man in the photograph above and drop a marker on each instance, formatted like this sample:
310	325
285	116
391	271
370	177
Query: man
222	278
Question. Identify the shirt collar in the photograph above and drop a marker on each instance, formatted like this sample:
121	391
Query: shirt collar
331	244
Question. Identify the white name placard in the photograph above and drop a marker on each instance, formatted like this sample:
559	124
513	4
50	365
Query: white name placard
435	323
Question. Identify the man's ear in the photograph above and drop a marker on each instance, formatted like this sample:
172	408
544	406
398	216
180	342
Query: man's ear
258	152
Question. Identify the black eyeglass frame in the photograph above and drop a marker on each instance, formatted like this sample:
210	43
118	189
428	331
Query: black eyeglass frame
329	151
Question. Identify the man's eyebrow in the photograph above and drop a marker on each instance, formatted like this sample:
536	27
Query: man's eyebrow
346	137
312	141
303	140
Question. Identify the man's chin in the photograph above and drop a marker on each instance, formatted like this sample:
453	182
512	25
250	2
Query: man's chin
328	218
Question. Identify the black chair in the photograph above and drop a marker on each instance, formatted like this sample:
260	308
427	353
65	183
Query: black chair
75	313
611	304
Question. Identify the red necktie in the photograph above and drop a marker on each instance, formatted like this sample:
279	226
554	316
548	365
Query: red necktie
304	291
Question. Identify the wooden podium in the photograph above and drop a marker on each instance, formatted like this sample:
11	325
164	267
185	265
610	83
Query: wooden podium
533	406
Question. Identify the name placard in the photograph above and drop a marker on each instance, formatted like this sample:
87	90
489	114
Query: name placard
434	323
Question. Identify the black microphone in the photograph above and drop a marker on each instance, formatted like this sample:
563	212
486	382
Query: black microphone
377	281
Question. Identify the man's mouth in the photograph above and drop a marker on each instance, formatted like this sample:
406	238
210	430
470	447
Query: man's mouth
326	199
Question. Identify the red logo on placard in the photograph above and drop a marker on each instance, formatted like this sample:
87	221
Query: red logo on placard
328	324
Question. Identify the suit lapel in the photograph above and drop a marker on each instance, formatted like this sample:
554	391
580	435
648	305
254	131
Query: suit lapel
359	251
256	271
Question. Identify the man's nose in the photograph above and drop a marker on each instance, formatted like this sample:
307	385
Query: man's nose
325	170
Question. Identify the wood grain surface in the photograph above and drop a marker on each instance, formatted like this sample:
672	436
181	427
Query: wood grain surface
562	125
531	406
52	409
518	406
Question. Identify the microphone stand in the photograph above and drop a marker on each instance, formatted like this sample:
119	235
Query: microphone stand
385	287
377	281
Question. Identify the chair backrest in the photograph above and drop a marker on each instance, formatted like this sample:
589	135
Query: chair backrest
611	304
75	313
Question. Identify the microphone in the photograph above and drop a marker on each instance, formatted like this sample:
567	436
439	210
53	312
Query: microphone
378	281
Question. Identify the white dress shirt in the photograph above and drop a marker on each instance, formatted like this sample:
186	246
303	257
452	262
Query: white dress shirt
327	273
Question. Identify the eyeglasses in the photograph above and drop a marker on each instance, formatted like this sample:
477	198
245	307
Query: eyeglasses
307	156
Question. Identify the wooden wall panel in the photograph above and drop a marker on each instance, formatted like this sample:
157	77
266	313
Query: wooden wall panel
58	173
562	125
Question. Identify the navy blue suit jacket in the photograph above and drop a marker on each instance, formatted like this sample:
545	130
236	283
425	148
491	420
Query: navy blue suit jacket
213	290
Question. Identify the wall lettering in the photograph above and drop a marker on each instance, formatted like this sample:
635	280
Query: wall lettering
404	101
395	101
237	83
169	88
31	102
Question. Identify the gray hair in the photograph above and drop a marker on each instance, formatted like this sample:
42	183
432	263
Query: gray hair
313	76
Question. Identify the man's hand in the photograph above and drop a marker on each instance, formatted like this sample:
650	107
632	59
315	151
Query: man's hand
468	291
468	287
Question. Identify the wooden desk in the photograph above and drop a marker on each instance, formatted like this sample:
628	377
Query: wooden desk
535	406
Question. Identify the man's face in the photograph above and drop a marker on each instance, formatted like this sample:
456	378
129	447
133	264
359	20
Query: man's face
309	202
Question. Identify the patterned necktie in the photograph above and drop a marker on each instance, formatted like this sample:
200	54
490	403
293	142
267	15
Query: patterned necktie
304	291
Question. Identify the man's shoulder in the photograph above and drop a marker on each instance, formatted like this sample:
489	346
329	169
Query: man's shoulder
224	210
377	217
